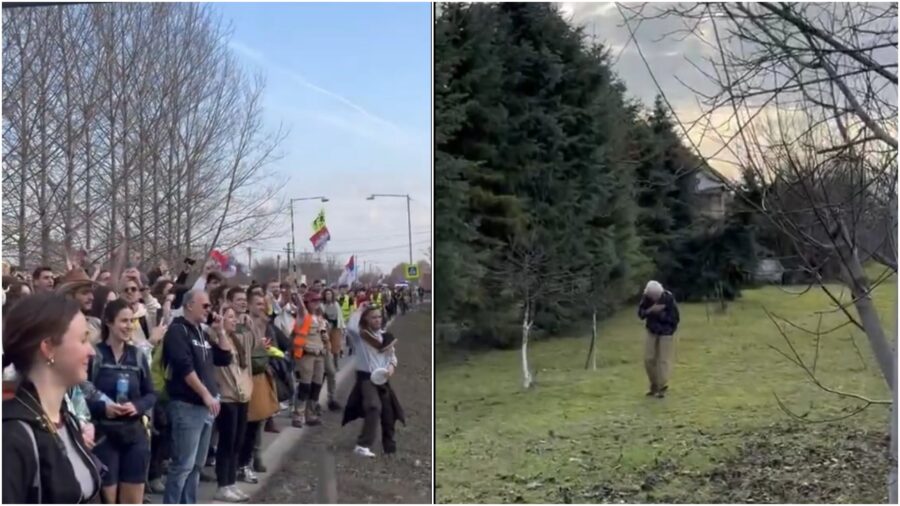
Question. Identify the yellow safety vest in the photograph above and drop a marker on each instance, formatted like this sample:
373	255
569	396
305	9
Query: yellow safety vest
347	307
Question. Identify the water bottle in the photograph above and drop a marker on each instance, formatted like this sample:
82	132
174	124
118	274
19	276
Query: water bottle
122	389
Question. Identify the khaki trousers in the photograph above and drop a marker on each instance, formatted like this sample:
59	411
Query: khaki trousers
659	355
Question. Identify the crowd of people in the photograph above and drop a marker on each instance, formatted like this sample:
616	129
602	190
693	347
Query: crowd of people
126	383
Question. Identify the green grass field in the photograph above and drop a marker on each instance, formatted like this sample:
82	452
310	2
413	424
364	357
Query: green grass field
592	436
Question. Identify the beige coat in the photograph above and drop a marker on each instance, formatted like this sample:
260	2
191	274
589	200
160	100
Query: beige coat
236	383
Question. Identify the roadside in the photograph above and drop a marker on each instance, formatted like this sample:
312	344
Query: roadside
414	330
401	478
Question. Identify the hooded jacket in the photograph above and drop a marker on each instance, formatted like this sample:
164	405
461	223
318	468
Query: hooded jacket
187	349
58	482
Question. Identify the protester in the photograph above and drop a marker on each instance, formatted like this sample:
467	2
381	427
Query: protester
42	280
263	400
76	285
660	312
146	333
310	343
162	292
104	277
121	372
13	290
236	386
193	393
362	297
103	295
45	459
335	318
371	399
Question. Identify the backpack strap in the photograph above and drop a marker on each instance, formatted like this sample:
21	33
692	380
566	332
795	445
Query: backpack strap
36	482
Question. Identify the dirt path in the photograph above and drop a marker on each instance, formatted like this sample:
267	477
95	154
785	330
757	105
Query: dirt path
401	478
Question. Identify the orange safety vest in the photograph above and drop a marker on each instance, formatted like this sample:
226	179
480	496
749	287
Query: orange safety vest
301	332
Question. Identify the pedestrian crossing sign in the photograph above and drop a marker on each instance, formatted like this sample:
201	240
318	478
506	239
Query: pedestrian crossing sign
411	271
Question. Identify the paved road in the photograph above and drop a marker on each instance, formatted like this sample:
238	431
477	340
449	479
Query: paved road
294	449
323	469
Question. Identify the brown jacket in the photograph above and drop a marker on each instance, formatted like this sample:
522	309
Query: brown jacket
236	382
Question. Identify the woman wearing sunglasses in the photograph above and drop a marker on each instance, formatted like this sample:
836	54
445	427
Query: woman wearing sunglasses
146	332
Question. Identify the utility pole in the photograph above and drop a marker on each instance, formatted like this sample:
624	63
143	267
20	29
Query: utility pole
250	258
287	250
278	266
408	215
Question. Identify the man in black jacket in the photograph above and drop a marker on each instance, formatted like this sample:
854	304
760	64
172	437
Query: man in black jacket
190	357
658	309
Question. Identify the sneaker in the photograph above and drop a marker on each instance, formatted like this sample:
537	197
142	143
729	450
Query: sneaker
240	493
363	451
334	406
247	475
157	486
297	420
227	494
211	460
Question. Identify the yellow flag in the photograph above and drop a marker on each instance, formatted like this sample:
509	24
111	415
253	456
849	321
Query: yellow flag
319	222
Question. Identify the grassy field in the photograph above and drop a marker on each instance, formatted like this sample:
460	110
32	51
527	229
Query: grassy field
592	436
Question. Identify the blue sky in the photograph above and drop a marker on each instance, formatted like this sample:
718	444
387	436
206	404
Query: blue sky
352	82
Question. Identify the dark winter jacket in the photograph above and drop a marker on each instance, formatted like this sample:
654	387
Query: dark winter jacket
57	477
187	349
663	323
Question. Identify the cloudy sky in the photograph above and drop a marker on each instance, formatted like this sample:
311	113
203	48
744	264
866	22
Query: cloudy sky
668	54
673	57
352	82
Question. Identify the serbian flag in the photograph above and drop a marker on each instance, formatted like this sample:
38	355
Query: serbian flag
320	239
348	277
227	263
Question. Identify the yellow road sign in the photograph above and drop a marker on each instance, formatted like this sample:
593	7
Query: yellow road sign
411	272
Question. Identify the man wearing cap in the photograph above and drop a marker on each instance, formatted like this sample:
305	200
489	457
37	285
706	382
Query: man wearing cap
310	341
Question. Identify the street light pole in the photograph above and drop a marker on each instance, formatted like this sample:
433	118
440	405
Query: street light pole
408	215
293	254
409	228
293	242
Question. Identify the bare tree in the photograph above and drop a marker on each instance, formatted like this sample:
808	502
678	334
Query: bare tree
526	276
133	120
811	91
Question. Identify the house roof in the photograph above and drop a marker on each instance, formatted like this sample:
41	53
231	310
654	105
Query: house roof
707	181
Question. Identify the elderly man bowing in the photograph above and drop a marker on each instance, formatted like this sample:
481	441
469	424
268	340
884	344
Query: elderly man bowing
660	313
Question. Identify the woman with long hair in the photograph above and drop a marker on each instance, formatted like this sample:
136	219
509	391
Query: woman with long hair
45	459
121	373
236	387
146	333
162	292
372	398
